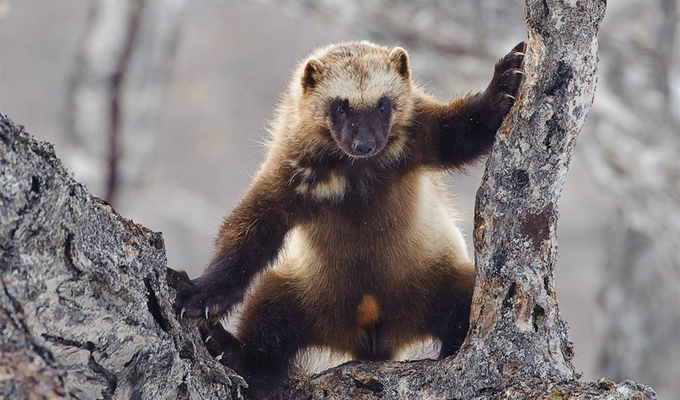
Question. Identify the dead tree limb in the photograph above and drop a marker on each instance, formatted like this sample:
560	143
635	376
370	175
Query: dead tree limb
84	305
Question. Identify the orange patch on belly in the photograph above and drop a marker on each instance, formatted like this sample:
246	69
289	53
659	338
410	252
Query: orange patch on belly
368	310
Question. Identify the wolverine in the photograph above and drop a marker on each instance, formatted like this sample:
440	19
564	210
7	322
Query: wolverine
346	238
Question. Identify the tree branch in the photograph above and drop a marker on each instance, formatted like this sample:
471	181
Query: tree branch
85	308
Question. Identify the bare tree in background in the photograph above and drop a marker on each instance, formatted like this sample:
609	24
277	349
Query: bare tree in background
123	63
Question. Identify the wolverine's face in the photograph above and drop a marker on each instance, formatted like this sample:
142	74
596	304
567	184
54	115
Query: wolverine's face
361	131
363	90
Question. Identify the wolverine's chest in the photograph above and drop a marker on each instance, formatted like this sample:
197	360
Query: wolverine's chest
367	269
394	236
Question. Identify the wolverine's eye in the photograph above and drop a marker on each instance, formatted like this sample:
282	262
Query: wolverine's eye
384	105
339	108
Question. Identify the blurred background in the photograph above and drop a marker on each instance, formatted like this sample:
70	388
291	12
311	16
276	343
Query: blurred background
160	106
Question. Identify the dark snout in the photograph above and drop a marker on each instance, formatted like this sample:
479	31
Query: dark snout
364	147
367	136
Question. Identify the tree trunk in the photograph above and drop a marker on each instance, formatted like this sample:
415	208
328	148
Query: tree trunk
86	310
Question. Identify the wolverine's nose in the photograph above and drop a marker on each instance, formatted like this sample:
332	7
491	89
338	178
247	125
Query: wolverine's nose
364	147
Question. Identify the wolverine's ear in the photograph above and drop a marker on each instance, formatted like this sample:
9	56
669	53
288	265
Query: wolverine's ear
311	74
399	60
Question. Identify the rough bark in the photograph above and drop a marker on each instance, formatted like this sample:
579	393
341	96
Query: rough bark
86	309
84	305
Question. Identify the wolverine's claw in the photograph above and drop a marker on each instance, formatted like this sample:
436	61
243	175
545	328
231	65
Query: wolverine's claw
181	313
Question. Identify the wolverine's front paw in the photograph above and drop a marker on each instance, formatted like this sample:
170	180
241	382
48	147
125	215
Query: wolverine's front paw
186	291
221	344
507	77
197	298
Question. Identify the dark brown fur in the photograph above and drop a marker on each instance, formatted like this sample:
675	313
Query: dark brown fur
351	209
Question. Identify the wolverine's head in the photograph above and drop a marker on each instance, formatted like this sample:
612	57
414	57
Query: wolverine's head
362	93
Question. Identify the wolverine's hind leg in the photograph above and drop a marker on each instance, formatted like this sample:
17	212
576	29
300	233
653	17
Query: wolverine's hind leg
273	328
449	307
